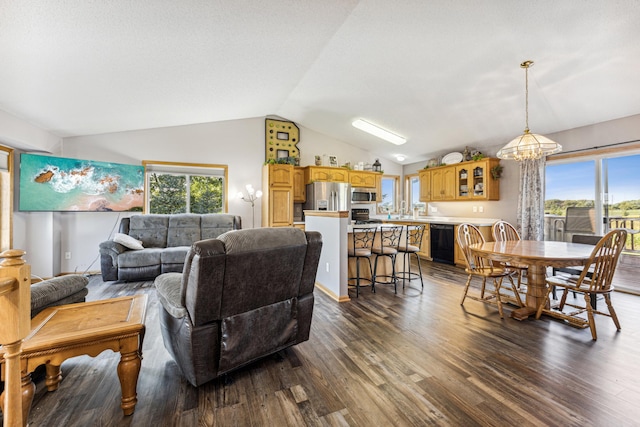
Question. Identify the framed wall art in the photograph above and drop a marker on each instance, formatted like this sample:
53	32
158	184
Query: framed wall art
62	184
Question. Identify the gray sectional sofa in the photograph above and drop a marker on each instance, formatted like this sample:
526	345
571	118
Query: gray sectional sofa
165	239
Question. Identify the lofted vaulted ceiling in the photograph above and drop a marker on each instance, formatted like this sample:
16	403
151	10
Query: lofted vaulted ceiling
443	73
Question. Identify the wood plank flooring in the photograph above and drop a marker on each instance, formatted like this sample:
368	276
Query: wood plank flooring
410	359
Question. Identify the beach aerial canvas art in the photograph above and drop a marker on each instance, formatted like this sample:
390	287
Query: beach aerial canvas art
61	184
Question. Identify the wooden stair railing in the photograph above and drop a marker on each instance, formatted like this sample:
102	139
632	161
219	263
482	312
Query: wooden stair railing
15	318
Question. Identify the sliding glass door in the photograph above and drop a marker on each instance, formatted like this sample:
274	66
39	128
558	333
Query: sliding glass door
592	196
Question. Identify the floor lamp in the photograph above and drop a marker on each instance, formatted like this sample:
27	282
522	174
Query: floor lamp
251	197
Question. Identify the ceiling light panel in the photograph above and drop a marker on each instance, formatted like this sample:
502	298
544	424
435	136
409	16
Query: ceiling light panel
379	132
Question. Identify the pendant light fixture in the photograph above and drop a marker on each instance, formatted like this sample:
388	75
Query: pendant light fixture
528	145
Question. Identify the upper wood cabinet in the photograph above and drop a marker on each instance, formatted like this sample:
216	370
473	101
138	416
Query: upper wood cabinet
279	175
299	186
425	185
363	178
474	181
443	184
327	174
462	181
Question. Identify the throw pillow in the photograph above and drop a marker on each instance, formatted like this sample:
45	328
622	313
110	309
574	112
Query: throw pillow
127	241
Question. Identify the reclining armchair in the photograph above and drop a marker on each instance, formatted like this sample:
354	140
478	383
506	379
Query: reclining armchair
242	296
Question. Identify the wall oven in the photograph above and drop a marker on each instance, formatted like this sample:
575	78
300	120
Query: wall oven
363	195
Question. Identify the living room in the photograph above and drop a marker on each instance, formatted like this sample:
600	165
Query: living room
231	134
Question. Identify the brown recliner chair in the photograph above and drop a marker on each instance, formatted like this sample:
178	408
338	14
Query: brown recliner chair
240	297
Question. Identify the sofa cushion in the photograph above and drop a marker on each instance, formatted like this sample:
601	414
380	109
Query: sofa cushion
150	229
184	230
174	255
128	241
49	291
141	258
213	225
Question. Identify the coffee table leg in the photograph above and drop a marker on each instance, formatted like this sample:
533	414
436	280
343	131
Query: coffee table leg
53	378
128	371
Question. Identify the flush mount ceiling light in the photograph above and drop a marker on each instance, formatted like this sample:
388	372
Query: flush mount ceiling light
528	145
379	132
400	157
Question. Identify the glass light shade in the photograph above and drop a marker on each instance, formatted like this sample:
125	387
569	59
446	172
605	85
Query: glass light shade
258	193
529	146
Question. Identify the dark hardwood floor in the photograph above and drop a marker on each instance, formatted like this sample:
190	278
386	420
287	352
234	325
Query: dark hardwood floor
380	360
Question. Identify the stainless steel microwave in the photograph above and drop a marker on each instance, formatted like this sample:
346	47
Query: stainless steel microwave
363	195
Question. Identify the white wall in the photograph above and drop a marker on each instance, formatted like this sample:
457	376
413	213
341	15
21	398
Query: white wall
597	135
240	144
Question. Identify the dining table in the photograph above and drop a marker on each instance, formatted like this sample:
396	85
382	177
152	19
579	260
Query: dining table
537	256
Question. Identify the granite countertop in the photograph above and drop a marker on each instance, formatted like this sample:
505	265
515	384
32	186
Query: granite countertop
440	220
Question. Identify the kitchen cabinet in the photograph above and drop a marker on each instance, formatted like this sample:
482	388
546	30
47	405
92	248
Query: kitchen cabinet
425	185
299	187
443	184
458	257
461	181
474	181
327	174
363	179
277	195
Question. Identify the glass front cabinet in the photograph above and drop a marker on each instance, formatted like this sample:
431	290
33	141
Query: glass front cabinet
474	180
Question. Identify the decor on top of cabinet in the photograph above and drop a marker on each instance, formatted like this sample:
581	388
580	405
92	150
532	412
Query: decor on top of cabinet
333	161
477	155
281	139
318	160
377	167
496	172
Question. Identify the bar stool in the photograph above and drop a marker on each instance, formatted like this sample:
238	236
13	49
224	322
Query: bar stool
389	242
411	245
362	243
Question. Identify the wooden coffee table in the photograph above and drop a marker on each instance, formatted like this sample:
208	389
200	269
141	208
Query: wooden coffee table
65	331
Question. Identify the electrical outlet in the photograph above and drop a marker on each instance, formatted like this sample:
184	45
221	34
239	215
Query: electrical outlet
481	208
433	209
327	267
67	255
475	209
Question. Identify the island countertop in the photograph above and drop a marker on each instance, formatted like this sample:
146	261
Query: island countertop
481	222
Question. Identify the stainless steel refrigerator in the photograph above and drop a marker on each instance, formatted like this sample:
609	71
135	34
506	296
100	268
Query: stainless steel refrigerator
328	196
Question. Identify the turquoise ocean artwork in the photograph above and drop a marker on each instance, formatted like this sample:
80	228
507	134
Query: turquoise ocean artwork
61	184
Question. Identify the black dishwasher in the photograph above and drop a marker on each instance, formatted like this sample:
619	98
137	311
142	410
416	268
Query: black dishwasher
442	243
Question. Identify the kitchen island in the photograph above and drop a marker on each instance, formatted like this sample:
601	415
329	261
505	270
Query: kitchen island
335	267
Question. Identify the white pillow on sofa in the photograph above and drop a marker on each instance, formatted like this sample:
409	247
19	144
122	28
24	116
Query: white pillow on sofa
127	241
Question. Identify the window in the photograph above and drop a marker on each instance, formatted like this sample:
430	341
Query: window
172	188
603	182
389	196
6	197
412	191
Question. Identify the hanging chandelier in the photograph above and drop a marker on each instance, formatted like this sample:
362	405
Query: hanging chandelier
528	145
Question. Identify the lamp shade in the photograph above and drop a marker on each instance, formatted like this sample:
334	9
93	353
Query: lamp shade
529	146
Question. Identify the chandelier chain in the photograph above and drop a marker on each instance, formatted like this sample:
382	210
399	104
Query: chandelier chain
526	98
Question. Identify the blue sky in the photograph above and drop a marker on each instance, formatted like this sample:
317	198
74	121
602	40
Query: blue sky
576	181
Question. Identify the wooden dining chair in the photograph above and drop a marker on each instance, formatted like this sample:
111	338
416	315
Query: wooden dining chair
602	265
468	235
503	231
362	243
389	242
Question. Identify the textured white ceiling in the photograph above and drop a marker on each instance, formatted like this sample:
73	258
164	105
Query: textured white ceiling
443	73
